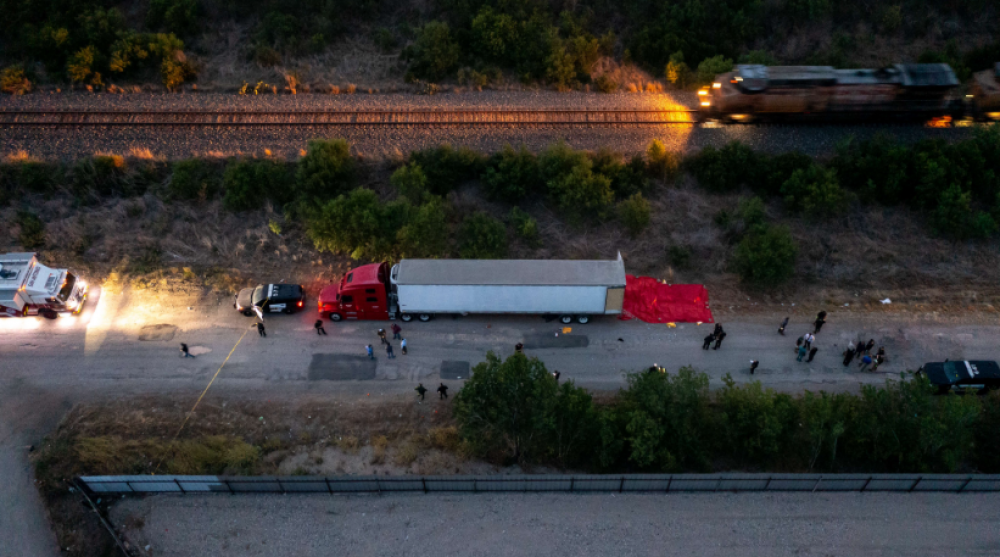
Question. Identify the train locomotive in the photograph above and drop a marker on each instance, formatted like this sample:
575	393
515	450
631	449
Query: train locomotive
921	92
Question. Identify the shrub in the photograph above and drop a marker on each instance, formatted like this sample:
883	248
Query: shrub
680	256
757	424
358	224
815	192
525	227
37	177
426	233
559	159
482	237
711	67
765	257
193	179
80	65
97	176
13	81
32	230
582	193
634	214
677	72
176	16
726	169
513	176
435	53
447	168
326	170
953	217
662	164
410	181
249	183
605	84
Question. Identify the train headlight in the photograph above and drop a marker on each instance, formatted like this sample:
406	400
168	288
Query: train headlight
716	86
702	92
706	103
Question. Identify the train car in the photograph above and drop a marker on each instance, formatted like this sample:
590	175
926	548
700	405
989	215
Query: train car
902	91
984	94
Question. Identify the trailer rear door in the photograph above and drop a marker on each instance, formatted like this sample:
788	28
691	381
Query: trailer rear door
614	300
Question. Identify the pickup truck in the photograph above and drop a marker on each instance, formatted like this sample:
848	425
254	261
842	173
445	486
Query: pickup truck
265	298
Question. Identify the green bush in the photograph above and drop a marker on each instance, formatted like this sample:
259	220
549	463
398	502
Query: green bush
426	233
662	164
513	176
37	177
101	175
559	159
435	54
752	212
953	217
32	230
175	16
605	84
815	192
250	183
525	227
634	214
726	169
193	179
677	72
679	256
447	168
711	67
757	425
765	257
410	181
359	224
482	237
582	194
326	170
627	178
13	81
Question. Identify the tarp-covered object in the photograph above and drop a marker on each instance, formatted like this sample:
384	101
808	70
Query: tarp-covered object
654	302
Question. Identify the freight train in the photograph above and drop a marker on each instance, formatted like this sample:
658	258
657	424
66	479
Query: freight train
923	92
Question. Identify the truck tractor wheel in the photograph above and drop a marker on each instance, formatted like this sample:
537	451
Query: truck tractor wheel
566	319
406	317
583	319
424	317
335	317
48	314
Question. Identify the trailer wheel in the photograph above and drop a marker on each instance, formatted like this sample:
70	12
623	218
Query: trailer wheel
335	317
406	317
566	319
424	317
583	319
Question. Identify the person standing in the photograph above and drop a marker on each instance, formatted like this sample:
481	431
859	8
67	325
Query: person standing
753	366
708	341
718	330
421	390
802	353
799	341
395	331
808	340
718	340
442	392
319	327
388	351
557	375
869	346
519	348
402	346
820	321
781	329
260	329
866	361
849	354
371	353
812	354
381	336
184	351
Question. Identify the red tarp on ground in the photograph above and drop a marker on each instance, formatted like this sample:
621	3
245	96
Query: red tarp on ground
654	302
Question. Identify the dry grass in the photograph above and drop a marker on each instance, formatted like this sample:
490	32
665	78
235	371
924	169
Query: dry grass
19	156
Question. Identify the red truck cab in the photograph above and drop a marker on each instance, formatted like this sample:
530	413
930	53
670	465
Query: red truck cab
363	294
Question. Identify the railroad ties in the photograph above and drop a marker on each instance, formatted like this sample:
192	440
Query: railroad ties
400	118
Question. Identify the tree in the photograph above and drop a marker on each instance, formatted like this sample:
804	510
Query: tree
447	168
482	237
765	257
410	181
359	224
507	408
634	213
193	179
711	67
512	176
32	230
582	193
435	53
954	218
677	72
426	233
663	164
525	227
757	424
815	192
249	183
326	170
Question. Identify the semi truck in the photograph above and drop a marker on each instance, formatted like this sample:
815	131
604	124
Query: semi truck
423	288
29	288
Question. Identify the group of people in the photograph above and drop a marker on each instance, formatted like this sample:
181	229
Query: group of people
717	336
860	350
396	335
442	391
863	351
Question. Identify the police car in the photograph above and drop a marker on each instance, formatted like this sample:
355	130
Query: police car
270	298
979	376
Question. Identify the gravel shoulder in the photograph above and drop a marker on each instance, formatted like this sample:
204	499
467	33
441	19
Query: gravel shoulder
565	524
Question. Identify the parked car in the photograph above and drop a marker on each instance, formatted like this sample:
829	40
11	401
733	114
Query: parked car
964	376
286	298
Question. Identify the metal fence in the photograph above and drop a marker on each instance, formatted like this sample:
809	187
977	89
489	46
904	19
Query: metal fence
630	483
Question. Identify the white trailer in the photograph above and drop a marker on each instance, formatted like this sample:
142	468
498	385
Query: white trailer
569	289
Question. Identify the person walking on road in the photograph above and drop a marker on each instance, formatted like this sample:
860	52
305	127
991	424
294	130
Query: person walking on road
442	392
812	354
319	327
753	366
260	329
781	329
381	336
557	375
718	330
808	338
402	346
708	342
395	331
184	351
421	390
869	346
849	354
718	340
388	351
866	361
820	321
519	348
370	352
802	353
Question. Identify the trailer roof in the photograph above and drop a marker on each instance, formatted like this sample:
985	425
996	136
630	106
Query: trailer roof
511	272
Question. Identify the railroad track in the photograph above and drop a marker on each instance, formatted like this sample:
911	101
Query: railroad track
401	118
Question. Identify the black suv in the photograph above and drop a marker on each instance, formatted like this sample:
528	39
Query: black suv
979	376
286	298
